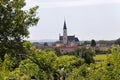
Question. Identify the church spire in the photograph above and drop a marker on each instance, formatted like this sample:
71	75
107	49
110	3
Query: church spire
65	33
64	27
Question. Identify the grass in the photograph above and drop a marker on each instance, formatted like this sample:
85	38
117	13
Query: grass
100	57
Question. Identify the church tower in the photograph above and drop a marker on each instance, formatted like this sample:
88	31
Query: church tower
65	41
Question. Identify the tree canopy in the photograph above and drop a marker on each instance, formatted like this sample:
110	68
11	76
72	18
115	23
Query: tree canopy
14	24
117	41
93	43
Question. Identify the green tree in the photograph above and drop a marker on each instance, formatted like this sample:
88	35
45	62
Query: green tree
44	60
57	51
14	24
65	64
86	42
79	73
86	54
107	42
117	41
93	43
45	44
108	70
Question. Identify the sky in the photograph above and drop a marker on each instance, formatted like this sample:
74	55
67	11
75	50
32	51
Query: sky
86	19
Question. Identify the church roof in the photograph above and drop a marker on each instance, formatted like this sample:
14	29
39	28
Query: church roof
70	38
76	39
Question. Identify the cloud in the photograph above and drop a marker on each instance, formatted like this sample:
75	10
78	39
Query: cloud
75	3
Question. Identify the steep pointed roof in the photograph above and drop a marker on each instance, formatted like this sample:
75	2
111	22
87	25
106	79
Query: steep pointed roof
64	27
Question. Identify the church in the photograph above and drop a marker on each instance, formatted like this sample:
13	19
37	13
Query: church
67	40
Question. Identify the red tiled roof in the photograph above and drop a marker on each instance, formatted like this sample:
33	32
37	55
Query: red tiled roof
66	47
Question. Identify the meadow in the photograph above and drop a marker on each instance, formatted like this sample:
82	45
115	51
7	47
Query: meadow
100	57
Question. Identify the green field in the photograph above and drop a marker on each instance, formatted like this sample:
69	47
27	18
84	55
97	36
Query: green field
100	57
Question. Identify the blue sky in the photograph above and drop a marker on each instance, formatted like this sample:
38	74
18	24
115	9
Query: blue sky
87	19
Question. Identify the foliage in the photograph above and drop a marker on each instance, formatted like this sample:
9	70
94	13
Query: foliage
78	73
68	62
41	64
45	44
100	57
117	41
45	64
107	42
109	69
93	43
86	54
14	24
57	51
86	42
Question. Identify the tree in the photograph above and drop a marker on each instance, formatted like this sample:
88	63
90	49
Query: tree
107	42
117	41
86	54
44	60
93	43
57	51
45	44
86	42
14	24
